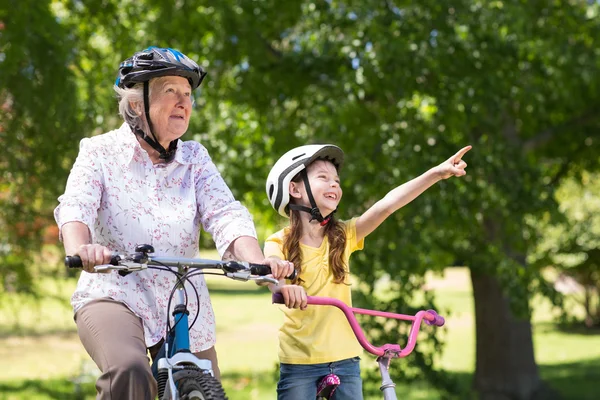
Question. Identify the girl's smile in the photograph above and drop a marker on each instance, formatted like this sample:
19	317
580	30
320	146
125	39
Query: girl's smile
325	186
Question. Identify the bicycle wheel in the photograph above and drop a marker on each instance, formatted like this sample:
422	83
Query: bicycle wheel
194	385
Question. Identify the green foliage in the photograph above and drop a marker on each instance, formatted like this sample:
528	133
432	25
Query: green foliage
399	86
573	244
38	125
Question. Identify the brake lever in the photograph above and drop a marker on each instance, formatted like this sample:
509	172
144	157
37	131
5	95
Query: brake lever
246	276
239	276
124	268
108	267
267	279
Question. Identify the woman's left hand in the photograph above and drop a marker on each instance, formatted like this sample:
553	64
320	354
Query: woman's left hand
279	268
454	166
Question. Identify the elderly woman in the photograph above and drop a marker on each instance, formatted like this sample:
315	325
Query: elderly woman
142	184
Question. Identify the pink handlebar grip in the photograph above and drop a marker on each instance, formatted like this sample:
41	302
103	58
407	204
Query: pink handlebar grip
437	320
277	298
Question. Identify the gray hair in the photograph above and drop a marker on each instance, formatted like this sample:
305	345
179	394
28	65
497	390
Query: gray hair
127	97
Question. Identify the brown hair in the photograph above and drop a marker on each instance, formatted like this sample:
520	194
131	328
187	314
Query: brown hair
335	233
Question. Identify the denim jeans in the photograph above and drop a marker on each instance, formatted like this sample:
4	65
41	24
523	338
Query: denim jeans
299	381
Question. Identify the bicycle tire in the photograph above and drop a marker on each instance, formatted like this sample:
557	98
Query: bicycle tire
195	385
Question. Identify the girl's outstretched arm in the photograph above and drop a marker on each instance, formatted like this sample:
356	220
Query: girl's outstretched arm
407	192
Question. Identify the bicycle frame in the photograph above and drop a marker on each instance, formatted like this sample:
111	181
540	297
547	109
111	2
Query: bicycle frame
174	361
386	352
174	353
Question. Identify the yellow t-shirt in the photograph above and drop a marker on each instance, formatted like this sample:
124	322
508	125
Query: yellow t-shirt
319	334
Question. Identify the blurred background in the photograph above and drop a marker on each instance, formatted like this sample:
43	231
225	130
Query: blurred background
510	253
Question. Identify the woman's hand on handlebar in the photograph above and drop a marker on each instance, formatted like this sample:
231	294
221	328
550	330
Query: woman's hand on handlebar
92	255
279	268
294	296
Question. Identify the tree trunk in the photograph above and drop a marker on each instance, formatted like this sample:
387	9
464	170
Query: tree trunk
505	366
587	305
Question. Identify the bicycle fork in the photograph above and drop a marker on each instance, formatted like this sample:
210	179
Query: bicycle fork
170	357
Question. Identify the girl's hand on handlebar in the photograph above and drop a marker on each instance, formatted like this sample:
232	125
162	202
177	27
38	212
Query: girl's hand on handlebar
279	268
294	296
92	255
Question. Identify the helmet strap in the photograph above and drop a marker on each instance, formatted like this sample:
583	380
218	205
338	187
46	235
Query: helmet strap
313	210
327	218
164	154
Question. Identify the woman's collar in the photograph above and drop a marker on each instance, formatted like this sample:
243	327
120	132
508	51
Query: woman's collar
187	153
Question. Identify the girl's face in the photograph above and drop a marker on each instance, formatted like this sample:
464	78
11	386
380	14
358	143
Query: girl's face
324	185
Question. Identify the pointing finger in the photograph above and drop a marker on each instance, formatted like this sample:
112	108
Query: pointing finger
457	157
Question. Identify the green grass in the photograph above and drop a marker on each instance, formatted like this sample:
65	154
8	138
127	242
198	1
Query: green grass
41	357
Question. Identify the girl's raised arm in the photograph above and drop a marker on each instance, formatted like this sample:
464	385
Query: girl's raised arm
407	192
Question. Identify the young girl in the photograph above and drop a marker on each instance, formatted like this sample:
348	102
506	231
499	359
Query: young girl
304	186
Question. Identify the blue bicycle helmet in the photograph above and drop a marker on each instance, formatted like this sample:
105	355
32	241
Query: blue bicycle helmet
154	62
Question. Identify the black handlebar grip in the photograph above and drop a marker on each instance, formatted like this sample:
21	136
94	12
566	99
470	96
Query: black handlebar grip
73	262
262	270
292	276
259	269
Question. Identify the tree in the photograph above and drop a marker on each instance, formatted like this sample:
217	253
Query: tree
38	122
375	76
56	71
399	86
572	245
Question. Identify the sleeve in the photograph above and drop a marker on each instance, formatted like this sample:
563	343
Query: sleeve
274	246
351	244
83	192
224	218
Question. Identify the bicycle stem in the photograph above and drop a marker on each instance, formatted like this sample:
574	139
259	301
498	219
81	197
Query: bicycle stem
180	316
387	384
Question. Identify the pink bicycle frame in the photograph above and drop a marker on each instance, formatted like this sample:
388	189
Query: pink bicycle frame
394	350
388	351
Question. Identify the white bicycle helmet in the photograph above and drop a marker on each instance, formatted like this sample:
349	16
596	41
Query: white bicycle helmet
292	163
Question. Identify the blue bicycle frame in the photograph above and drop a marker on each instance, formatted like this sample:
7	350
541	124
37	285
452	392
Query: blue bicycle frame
175	350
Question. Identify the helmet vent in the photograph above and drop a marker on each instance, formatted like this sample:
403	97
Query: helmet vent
298	156
271	190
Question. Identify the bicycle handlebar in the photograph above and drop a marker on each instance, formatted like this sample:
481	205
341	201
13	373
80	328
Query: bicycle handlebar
141	259
430	316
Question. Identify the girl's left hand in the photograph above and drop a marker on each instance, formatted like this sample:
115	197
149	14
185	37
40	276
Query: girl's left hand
279	268
454	166
294	296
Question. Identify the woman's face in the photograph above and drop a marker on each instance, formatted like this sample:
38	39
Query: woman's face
170	107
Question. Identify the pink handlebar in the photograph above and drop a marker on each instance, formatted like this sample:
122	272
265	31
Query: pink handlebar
430	317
